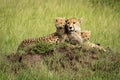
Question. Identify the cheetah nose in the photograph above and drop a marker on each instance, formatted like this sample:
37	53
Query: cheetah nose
70	27
60	27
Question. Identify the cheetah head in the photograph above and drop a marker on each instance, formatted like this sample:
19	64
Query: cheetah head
60	25
73	24
85	35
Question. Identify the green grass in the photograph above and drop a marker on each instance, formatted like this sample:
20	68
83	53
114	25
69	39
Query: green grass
22	19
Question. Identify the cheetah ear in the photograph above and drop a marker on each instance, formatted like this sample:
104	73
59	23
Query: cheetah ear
81	20
82	33
56	20
66	20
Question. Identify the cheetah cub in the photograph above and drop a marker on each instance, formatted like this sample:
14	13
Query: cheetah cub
57	37
81	38
74	30
87	45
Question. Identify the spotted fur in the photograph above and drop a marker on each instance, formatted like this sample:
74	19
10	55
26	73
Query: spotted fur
85	35
52	38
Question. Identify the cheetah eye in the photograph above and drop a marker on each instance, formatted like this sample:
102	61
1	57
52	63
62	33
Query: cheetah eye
73	22
68	23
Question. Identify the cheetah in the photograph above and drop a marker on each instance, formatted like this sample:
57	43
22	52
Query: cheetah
57	37
87	45
78	37
74	31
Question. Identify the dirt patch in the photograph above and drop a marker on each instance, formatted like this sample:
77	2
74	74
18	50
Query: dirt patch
25	57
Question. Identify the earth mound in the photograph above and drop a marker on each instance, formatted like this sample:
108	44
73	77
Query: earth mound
64	56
